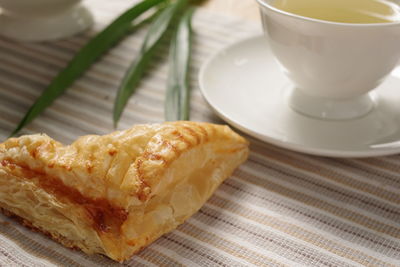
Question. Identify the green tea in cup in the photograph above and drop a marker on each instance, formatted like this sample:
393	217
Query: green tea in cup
344	11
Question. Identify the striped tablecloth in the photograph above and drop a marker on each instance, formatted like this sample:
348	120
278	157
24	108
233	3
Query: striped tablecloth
280	208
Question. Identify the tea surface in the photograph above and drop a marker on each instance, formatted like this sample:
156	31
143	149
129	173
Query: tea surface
345	11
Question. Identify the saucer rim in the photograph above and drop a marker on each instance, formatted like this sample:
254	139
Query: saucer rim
371	152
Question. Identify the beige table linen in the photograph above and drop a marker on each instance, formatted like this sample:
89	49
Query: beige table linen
280	208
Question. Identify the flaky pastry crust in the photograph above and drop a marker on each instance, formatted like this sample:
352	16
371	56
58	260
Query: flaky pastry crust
114	194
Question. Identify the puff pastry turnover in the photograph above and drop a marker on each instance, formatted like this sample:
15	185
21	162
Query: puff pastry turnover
115	194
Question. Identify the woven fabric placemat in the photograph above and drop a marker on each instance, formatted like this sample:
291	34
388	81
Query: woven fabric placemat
280	208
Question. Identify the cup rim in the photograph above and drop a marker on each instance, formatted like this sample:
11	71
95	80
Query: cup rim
263	3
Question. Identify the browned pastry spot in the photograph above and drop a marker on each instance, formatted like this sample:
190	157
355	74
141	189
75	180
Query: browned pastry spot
105	216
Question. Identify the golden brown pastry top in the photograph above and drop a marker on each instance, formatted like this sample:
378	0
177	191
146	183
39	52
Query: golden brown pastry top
124	167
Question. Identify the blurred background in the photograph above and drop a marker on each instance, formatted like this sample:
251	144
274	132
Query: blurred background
242	8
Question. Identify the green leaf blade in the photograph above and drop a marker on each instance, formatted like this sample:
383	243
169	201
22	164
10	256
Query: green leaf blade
178	92
85	58
135	72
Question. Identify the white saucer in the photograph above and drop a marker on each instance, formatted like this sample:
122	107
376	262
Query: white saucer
244	85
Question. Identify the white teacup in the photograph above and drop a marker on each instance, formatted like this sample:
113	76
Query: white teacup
333	65
38	20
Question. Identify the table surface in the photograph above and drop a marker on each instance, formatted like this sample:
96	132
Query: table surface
246	9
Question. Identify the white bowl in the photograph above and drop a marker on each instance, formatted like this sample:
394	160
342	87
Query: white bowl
39	20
